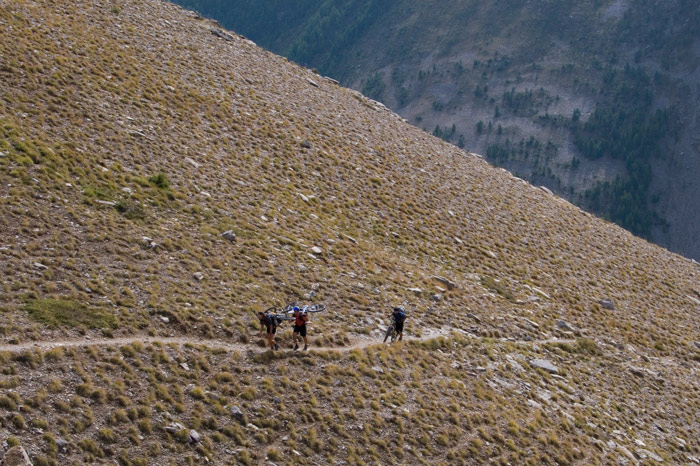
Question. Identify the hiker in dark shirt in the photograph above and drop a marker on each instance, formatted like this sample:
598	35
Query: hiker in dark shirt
268	322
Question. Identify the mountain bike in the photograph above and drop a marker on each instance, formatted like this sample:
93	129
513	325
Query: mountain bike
310	308
279	316
286	313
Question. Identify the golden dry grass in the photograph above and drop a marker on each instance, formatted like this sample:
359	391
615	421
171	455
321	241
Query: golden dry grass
131	137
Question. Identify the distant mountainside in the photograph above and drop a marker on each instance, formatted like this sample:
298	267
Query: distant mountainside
596	100
163	180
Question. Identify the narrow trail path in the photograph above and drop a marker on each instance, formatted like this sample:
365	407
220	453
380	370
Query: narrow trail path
429	334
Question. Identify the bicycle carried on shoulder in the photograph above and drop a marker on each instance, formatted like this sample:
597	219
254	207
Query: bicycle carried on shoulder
286	314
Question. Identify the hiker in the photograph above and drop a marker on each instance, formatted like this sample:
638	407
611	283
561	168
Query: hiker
268	322
399	316
300	319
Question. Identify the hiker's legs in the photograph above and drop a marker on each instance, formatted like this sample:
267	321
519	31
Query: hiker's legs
302	332
399	330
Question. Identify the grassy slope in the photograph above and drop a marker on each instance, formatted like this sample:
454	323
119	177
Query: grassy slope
418	59
98	97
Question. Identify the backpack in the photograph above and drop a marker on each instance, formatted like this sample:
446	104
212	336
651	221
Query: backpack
271	319
400	317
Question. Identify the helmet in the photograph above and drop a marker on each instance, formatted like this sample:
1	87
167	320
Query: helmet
399	309
295	308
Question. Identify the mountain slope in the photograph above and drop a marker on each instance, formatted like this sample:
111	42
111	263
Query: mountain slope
135	133
597	100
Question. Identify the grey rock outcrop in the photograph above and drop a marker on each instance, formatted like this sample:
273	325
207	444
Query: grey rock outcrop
607	304
445	281
229	235
545	365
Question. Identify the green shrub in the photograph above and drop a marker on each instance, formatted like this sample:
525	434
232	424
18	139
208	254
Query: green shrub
160	180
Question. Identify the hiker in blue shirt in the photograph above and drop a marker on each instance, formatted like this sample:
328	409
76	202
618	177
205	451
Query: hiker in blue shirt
399	316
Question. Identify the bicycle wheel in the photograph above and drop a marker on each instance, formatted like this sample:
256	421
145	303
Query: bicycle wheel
289	308
390	333
271	310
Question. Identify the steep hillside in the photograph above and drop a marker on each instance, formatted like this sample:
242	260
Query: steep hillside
596	100
135	134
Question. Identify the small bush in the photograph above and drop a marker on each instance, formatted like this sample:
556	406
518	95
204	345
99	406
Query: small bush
160	180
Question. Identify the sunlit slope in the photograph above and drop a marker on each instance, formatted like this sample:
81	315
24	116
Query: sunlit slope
134	134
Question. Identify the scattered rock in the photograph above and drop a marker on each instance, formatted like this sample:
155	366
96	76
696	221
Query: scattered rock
378	369
316	250
306	144
174	427
229	235
107	203
237	413
304	198
445	281
540	292
40	266
534	404
164	319
562	324
625	452
198	275
349	238
194	436
277	400
16	456
414	290
474	317
607	304
515	365
437	297
192	162
223	35
545	365
184	366
644	454
312	82
532	323
62	444
693	300
697	344
547	190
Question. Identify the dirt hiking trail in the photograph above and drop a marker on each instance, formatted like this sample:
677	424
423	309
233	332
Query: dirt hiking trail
428	334
189	340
